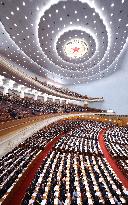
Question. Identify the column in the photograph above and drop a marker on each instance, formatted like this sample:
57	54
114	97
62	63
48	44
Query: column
22	94
5	91
45	97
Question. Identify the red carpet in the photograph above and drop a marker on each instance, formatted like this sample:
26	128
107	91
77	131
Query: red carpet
110	160
18	192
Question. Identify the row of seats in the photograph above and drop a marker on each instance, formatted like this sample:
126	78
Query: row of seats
64	91
76	173
86	143
74	179
116	140
14	107
16	161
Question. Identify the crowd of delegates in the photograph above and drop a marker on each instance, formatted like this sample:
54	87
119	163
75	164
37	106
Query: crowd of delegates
116	140
75	172
65	91
82	140
14	107
17	160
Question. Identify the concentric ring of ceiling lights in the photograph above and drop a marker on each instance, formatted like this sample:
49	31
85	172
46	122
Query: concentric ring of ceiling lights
59	32
42	31
68	36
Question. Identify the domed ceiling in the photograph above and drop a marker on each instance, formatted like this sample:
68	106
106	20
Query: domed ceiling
69	42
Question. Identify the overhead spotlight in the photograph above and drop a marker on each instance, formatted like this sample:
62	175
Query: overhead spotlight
112	5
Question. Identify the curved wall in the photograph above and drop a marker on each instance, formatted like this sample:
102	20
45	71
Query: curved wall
114	89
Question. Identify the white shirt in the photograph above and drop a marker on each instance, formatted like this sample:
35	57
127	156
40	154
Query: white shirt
43	202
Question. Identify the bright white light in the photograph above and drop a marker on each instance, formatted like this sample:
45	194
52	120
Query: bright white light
12	13
112	5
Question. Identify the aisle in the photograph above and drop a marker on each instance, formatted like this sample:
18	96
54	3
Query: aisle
110	160
18	192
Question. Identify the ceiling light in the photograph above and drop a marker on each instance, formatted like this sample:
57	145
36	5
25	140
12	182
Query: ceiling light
112	5
12	13
23	3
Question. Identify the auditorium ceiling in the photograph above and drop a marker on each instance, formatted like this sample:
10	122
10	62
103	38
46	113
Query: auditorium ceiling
68	42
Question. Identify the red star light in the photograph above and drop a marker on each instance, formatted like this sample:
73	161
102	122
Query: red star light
75	49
